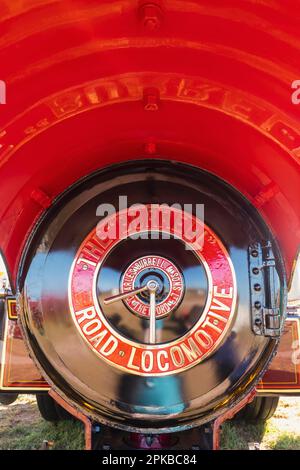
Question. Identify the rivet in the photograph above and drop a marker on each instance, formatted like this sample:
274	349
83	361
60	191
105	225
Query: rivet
41	198
150	148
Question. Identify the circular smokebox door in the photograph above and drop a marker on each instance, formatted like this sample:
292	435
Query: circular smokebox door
136	297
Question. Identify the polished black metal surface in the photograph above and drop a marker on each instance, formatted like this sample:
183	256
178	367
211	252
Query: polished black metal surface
152	404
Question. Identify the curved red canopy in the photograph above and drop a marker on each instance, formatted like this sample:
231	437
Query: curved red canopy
94	83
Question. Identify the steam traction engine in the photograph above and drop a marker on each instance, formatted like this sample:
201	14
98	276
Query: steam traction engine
149	216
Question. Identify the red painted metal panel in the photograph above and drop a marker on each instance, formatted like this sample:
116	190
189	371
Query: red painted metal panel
222	78
17	370
283	375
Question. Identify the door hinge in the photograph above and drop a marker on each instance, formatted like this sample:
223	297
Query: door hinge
264	290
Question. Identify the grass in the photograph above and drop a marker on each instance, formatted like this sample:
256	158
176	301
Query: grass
61	436
21	427
282	431
238	436
287	441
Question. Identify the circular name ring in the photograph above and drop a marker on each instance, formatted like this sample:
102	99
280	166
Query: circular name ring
160	269
163	358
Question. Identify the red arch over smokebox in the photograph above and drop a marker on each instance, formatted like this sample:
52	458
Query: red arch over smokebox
91	86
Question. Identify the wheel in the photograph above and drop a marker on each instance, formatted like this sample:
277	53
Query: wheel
8	398
260	409
63	414
47	408
50	410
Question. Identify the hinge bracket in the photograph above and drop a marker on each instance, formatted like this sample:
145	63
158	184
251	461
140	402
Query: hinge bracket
264	291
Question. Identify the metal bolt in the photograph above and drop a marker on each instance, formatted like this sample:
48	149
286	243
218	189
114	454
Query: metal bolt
152	285
151	99
254	253
257	305
257	287
151	16
255	271
258	322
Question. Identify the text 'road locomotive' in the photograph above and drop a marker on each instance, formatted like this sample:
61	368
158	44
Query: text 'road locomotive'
149	215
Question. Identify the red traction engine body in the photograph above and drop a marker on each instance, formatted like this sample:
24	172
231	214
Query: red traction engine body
149	211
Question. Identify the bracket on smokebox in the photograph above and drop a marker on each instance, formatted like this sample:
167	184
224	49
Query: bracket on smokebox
264	291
